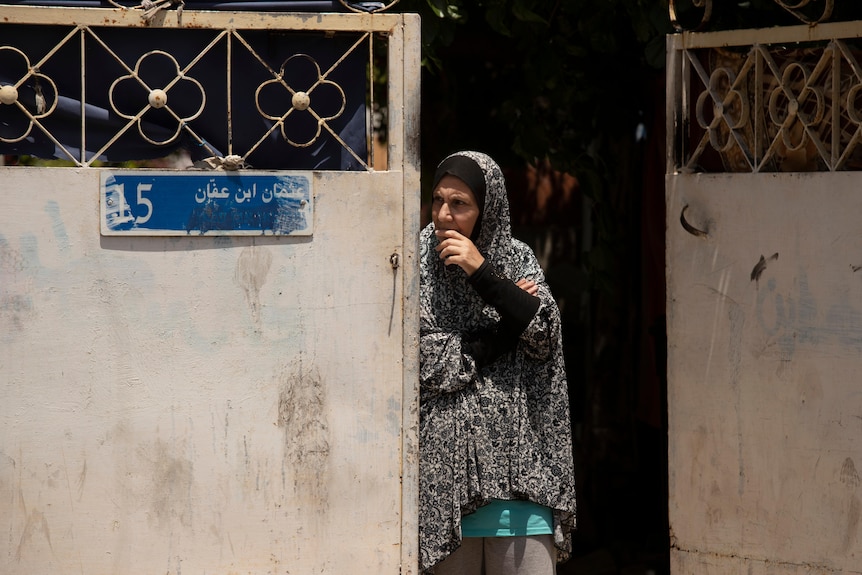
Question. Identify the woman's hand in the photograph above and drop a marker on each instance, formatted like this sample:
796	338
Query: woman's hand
457	249
528	286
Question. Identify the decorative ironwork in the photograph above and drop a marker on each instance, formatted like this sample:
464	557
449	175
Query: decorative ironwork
156	98
11	95
33	96
381	7
674	17
301	101
771	108
150	8
796	8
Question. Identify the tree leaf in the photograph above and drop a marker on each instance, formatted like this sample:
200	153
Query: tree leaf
523	13
438	7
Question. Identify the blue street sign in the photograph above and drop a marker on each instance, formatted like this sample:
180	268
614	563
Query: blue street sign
143	202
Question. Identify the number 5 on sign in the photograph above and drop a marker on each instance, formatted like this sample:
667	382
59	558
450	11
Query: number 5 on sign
145	202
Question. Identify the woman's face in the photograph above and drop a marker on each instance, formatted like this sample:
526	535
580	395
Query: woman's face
454	206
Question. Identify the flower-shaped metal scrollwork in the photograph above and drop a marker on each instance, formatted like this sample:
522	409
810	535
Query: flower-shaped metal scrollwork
854	95
154	98
729	104
674	14
786	107
368	6
795	7
311	107
32	97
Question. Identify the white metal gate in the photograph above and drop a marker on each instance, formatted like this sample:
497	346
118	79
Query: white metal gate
209	401
764	301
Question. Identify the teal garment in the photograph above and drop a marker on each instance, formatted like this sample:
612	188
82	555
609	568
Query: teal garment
508	519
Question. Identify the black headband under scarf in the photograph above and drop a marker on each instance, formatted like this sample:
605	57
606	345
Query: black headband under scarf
468	171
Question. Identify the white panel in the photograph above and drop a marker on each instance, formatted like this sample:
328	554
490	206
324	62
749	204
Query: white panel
765	356
200	405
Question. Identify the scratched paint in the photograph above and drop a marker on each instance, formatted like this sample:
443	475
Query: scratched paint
203	405
765	433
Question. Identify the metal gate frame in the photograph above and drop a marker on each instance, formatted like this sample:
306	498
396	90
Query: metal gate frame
763	131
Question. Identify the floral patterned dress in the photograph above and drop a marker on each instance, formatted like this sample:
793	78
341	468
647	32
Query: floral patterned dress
501	432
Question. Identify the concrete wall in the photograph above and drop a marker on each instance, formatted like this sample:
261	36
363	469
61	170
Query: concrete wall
204	405
765	361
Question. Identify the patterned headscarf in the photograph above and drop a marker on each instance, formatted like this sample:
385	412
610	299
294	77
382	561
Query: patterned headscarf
459	303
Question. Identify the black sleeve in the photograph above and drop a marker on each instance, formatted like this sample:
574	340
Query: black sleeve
515	306
513	303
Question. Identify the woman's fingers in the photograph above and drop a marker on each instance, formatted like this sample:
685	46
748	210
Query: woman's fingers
455	254
454	246
456	249
528	286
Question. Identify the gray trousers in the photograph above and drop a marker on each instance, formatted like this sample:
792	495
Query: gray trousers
531	555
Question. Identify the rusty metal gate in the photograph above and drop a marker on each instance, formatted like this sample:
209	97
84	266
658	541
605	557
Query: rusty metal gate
764	299
208	360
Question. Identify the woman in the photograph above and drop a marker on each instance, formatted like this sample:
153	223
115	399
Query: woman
496	471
